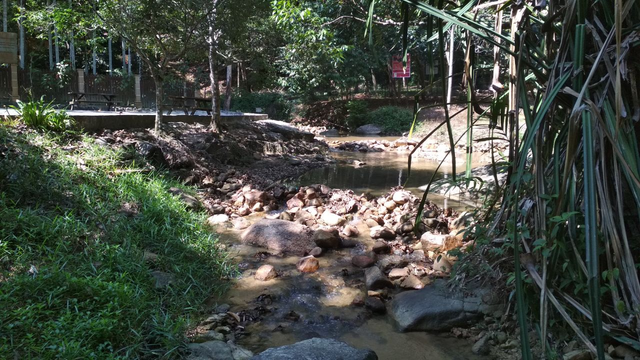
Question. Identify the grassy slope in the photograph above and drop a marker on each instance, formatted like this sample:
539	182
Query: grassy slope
93	295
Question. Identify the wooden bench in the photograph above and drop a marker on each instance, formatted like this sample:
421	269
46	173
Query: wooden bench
81	98
188	104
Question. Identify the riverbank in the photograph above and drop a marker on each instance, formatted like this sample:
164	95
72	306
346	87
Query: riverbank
352	256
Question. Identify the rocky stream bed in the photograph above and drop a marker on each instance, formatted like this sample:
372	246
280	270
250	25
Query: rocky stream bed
343	275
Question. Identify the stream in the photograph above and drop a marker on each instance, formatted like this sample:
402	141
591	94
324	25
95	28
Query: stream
297	306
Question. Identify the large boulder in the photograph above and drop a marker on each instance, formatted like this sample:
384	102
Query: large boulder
369	129
317	349
434	308
284	237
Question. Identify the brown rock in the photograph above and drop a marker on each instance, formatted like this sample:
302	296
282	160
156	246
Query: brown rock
350	231
314	202
243	211
398	273
390	205
286	216
371	223
432	241
381	247
362	261
379	232
240	223
411	282
332	219
327	239
279	235
324	189
294	202
308	264
311	193
401	197
405	228
351	207
265	273
442	264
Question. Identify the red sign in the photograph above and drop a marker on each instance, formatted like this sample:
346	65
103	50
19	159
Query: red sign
400	72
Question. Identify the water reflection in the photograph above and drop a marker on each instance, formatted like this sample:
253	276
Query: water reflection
381	172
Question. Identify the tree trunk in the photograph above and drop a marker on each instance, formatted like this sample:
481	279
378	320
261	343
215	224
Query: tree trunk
496	85
228	90
129	58
21	32
110	50
157	79
72	48
4	15
94	57
373	79
124	56
55	37
215	114
50	38
450	61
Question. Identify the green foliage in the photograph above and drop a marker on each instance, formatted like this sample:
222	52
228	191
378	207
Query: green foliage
271	103
392	119
356	114
75	282
41	115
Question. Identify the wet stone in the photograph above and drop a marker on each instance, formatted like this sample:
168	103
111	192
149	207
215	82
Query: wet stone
349	243
316	251
308	264
375	279
265	273
362	261
375	305
327	239
381	247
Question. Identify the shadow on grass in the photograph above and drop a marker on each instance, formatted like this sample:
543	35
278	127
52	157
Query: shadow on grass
78	244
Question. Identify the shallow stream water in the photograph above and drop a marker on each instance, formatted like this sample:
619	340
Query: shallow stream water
296	306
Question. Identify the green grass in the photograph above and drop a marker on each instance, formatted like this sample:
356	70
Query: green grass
93	295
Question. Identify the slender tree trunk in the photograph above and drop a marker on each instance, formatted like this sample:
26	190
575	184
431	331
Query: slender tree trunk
238	75
129	62
228	90
215	113
157	79
4	15
50	38
124	56
21	34
56	38
496	85
450	61
72	48
110	50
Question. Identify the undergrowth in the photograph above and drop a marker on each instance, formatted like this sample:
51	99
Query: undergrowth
76	221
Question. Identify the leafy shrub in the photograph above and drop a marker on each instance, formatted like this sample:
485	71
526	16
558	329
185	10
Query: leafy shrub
41	115
392	119
271	103
356	114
